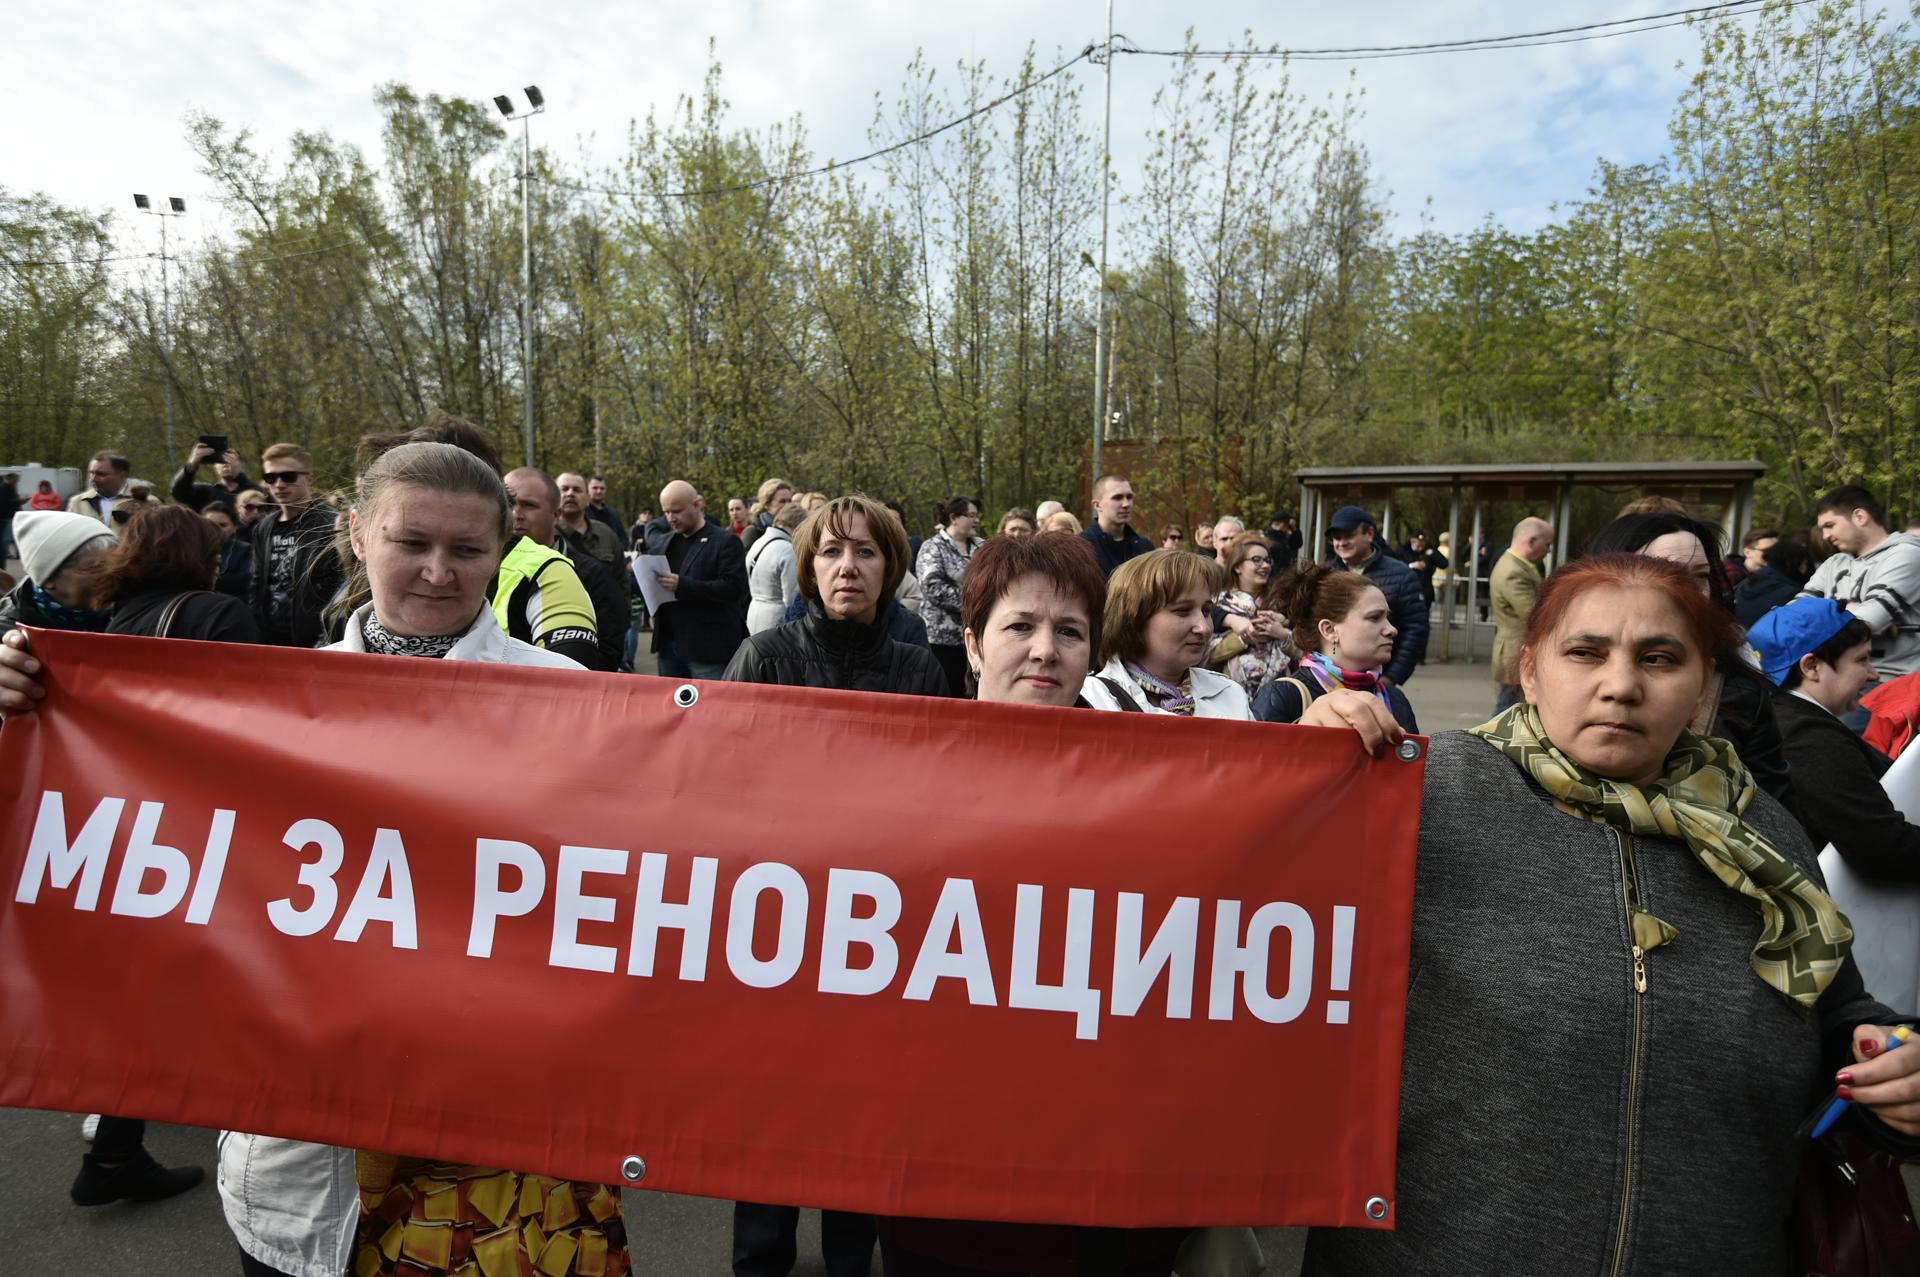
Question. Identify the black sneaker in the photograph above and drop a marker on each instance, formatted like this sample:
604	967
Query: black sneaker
139	1179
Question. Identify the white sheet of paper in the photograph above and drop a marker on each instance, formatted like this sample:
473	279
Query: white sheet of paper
646	568
1885	915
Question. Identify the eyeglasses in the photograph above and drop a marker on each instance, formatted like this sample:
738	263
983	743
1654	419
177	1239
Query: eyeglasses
282	476
1257	560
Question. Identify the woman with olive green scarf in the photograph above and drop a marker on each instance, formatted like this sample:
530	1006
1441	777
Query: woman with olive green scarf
1628	986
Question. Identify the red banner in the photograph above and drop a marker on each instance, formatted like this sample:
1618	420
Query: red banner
875	953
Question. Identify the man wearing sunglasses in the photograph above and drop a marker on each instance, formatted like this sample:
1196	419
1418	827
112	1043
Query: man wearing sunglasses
294	569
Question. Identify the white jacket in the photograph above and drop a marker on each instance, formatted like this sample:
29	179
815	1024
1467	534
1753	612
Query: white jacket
773	579
1214	695
483	641
293	1205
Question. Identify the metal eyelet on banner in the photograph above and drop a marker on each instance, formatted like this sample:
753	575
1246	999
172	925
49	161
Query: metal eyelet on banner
1407	751
634	1169
1376	1208
686	695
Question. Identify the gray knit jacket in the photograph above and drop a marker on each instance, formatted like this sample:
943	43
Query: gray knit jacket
1553	1119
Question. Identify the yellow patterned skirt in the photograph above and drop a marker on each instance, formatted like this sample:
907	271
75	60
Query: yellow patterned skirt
470	1221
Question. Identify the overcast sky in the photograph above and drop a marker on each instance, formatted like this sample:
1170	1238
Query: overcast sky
100	88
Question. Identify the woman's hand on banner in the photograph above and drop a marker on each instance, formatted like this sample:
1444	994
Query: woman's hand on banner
20	690
1364	713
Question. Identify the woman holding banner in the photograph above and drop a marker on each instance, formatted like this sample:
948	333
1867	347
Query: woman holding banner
1155	633
1342	629
1627	983
1032	612
428	526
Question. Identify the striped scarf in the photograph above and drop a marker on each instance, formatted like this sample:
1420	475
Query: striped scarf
1330	676
1804	938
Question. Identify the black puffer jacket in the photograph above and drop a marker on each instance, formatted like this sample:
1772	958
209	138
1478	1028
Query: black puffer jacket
816	652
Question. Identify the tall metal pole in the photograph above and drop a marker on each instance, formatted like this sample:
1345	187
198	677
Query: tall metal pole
526	270
166	330
1100	352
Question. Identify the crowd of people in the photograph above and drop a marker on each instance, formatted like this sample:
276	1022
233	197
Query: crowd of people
1620	928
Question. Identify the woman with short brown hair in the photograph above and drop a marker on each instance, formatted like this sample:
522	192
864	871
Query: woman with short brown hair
849	556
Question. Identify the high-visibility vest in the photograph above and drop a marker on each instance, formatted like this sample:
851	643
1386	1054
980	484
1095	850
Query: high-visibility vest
524	562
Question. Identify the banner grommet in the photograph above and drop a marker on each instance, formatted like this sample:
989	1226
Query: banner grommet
634	1169
1376	1208
1407	751
686	696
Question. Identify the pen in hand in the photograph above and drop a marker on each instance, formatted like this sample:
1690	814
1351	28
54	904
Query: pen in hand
1838	1105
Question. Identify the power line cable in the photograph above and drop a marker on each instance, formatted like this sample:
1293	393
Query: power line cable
1515	40
835	166
75	261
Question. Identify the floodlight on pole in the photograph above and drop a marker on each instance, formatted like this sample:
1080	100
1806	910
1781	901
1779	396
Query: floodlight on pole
1102	352
176	207
537	103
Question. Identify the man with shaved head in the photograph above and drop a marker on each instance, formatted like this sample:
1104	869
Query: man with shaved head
1514	587
697	633
536	500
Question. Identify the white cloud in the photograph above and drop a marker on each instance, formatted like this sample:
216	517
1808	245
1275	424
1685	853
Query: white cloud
101	89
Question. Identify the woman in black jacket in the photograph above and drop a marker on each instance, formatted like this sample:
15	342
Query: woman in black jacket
236	551
159	581
850	556
1785	568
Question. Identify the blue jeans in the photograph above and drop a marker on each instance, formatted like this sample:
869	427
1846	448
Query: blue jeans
673	666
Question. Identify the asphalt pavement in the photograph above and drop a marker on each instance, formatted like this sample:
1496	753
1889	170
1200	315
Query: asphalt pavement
43	1234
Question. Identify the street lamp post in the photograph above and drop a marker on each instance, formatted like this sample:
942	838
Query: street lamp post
176	207
536	103
1101	355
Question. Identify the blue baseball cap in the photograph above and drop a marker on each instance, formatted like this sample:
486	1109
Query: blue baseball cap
1792	630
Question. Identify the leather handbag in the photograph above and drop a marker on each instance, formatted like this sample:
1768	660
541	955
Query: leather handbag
1851	1213
172	611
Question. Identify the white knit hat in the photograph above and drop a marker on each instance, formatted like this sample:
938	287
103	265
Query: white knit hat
48	538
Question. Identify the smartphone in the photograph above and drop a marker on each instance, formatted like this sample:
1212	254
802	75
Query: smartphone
218	443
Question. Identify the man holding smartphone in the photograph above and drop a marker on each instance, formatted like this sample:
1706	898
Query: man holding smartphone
226	464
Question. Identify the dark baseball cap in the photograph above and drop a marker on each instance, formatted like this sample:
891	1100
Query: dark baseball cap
1349	517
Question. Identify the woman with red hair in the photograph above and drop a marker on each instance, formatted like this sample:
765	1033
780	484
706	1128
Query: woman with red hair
1628	984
